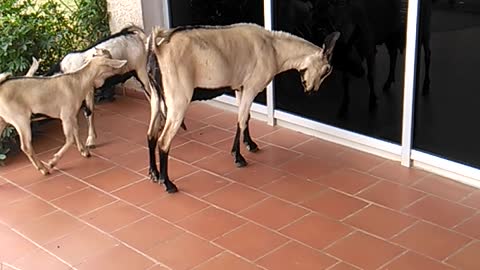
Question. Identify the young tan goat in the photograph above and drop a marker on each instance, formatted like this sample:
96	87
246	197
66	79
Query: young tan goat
58	97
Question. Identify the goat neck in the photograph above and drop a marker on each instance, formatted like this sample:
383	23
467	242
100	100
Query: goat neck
292	51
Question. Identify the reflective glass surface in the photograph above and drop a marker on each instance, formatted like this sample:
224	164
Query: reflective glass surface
364	93
447	108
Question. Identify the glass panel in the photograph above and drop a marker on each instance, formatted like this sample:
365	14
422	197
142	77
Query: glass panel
366	27
445	118
217	12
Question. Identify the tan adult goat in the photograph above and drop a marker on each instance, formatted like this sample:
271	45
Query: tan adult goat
242	57
58	97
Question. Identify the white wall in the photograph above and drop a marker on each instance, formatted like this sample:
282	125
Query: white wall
124	12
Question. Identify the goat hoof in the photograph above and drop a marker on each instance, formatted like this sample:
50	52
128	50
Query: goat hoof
252	148
50	165
91	146
172	189
240	163
45	171
154	179
153	175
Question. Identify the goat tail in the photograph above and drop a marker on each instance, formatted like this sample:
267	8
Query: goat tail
4	77
160	35
137	30
34	67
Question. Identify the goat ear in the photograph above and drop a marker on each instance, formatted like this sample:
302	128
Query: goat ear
102	52
116	63
159	40
329	44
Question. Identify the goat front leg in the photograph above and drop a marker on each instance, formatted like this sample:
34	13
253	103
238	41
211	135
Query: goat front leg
247	140
25	134
68	130
92	134
238	158
243	115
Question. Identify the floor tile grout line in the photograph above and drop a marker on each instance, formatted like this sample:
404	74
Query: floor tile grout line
411	186
470	243
250	186
295	220
354	213
43	248
93	210
225	251
280	199
393	259
148	215
377	166
254	205
94	227
263	140
463	222
275	232
253	222
344	262
272	251
9	266
470	240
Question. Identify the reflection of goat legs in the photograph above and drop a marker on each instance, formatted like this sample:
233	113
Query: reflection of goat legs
426	80
392	52
342	112
372	101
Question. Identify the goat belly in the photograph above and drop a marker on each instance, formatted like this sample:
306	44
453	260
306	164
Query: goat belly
206	94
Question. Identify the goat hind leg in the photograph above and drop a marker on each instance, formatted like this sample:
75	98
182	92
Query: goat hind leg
172	124
343	110
25	134
156	124
426	80
373	102
92	134
392	52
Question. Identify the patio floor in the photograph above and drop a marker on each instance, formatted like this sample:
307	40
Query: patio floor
301	203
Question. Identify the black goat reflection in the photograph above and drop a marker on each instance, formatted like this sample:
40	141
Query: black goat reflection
363	24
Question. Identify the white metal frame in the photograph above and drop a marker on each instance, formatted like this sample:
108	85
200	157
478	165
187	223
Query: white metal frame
167	15
402	153
409	82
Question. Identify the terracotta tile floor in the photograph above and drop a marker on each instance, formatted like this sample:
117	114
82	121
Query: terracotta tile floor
301	203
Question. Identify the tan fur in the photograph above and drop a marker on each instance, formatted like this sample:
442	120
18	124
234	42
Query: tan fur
58	97
136	60
244	57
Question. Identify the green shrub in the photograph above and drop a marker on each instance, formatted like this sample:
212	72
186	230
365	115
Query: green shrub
47	30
